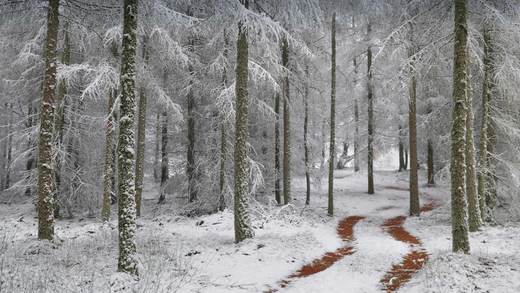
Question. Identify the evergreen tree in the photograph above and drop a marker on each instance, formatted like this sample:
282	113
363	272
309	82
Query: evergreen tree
459	209
286	124
370	95
243	229
332	150
415	208
126	155
45	148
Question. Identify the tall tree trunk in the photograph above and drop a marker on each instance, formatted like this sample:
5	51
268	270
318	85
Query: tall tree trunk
487	92
243	229
223	144
108	175
165	169
332	145
401	149
59	121
141	137
474	218
45	170
431	166
126	164
190	156
356	122
277	173
415	208
305	136
286	124
29	164
459	209
370	159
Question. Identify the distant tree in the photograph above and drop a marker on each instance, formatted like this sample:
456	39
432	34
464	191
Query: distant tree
332	150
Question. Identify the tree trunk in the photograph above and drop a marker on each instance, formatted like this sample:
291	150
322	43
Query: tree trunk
474	217
190	156
305	136
165	168
223	144
59	121
401	149
487	92
141	138
332	145
405	166
108	174
286	125
126	164
370	149
9	149
243	229
45	170
415	208
277	173
459	209
356	122
431	167
157	153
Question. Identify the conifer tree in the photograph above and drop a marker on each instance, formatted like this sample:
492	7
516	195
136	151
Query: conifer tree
332	150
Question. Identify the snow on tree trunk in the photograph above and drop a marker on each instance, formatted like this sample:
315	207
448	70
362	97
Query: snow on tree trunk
45	148
126	148
141	137
332	145
483	175
305	136
415	208
370	149
474	217
286	125
243	229
459	209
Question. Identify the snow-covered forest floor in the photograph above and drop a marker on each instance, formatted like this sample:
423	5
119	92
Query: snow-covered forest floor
199	254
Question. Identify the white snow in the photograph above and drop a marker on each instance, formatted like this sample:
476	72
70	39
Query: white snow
199	254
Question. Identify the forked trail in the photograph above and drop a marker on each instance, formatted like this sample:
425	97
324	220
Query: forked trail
397	276
346	232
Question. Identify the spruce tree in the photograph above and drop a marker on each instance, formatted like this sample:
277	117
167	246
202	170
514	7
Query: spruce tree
243	229
459	209
332	150
45	145
126	155
286	124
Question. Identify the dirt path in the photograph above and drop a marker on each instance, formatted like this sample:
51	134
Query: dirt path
413	261
345	231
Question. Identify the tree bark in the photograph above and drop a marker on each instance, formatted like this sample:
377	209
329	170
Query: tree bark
141	137
108	174
223	144
305	136
45	169
401	149
191	167
126	164
459	209
431	166
370	149
277	173
487	92
165	169
286	125
415	208
474	217
243	229
332	145
356	123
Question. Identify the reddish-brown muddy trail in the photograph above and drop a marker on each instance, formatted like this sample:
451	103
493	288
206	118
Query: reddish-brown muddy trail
346	233
412	262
